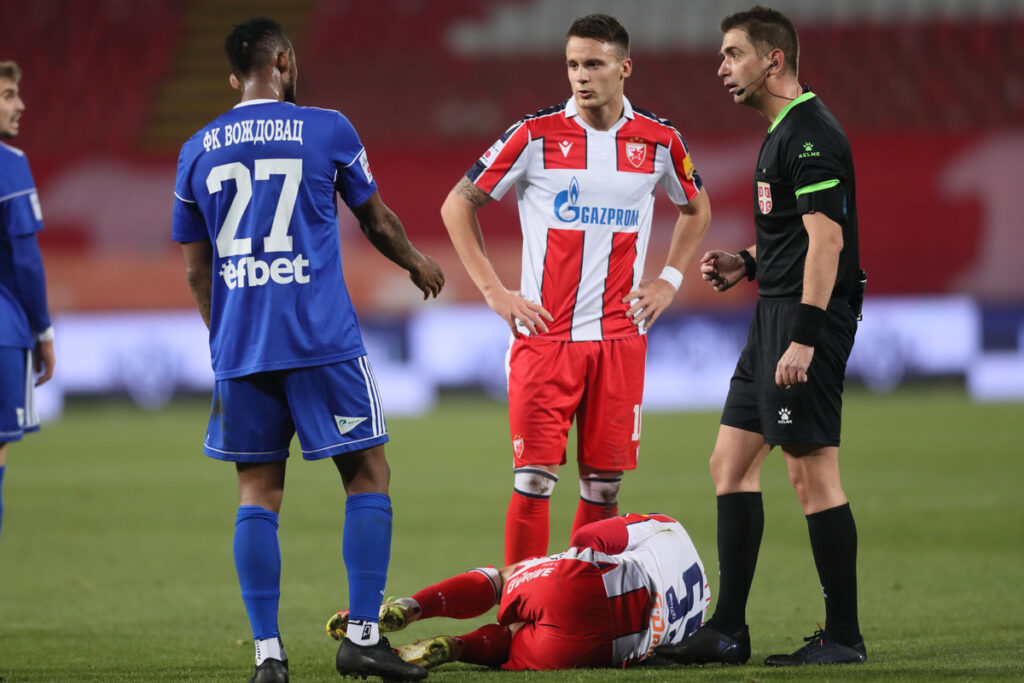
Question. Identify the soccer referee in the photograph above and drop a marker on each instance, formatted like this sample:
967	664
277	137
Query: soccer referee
788	385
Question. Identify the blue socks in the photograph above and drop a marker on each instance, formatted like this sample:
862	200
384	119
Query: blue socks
258	562
366	548
2	468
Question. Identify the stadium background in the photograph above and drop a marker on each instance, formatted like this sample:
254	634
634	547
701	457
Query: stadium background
114	554
931	93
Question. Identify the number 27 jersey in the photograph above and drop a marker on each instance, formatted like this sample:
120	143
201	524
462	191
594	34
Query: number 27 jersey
259	183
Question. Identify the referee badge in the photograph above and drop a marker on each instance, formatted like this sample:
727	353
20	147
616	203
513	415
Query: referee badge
764	197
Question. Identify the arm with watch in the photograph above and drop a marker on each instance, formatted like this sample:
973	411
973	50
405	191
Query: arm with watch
722	270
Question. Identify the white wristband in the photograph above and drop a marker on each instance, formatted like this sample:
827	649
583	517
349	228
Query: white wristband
45	336
672	276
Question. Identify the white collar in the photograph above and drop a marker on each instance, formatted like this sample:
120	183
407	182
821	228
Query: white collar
571	110
248	102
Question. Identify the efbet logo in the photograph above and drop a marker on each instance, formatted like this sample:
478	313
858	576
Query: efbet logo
784	418
808	151
253	272
567	211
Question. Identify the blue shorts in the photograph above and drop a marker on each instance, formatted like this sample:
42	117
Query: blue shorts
17	408
334	408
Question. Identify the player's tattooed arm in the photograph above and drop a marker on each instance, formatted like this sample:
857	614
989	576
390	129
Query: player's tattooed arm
199	273
471	193
386	233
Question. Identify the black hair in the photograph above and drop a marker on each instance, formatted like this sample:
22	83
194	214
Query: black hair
602	27
253	44
769	29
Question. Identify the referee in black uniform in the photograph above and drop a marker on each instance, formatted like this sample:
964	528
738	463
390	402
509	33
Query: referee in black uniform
788	385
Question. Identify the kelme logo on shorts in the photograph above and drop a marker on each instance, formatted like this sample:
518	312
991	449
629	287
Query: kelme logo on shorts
784	416
347	424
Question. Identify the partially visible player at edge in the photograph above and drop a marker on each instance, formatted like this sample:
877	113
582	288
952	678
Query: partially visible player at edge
788	386
256	214
626	585
584	173
26	337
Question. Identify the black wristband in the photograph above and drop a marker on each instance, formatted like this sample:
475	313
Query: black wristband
749	264
807	325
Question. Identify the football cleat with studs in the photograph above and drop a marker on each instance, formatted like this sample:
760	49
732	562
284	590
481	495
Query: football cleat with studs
821	648
361	661
432	651
394	615
708	645
271	671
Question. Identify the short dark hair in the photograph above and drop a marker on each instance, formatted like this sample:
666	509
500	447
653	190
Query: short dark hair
10	71
769	29
602	27
253	44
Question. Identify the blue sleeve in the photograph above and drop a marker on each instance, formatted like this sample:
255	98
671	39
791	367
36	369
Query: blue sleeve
354	181
30	281
187	224
18	199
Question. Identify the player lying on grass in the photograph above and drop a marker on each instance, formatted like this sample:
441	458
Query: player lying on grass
627	585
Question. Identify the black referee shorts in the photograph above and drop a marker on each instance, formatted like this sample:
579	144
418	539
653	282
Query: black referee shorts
805	414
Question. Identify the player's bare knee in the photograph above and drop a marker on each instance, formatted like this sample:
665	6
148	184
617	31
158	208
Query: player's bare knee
601	488
534	482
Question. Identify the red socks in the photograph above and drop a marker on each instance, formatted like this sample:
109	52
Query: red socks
587	512
488	645
526	527
461	597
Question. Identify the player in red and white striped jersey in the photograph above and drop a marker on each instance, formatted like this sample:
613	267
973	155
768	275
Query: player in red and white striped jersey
585	174
627	585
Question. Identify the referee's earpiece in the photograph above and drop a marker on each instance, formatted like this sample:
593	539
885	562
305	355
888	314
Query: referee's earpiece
773	64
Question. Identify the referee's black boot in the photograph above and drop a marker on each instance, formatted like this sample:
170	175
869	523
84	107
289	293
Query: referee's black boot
707	644
821	648
271	671
361	661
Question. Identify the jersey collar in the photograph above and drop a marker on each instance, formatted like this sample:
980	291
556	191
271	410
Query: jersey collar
571	110
627	111
248	102
782	114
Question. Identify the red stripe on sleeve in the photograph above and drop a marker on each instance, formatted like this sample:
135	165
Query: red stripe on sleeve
683	167
503	160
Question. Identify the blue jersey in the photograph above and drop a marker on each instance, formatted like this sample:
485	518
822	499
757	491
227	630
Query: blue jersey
259	183
19	216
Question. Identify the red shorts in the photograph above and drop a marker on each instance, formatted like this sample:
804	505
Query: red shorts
564	610
599	383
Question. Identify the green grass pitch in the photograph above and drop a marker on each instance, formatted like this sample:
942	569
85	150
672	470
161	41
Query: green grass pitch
115	557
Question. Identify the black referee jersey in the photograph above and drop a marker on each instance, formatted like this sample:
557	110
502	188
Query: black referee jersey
805	165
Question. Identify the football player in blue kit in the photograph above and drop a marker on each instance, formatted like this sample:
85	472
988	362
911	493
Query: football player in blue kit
26	337
256	215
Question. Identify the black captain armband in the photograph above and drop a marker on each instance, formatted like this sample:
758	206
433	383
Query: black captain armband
749	264
807	325
828	198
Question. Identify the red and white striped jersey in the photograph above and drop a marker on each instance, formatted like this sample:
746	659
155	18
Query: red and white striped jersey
656	587
586	200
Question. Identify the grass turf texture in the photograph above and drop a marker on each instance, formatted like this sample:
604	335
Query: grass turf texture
116	549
